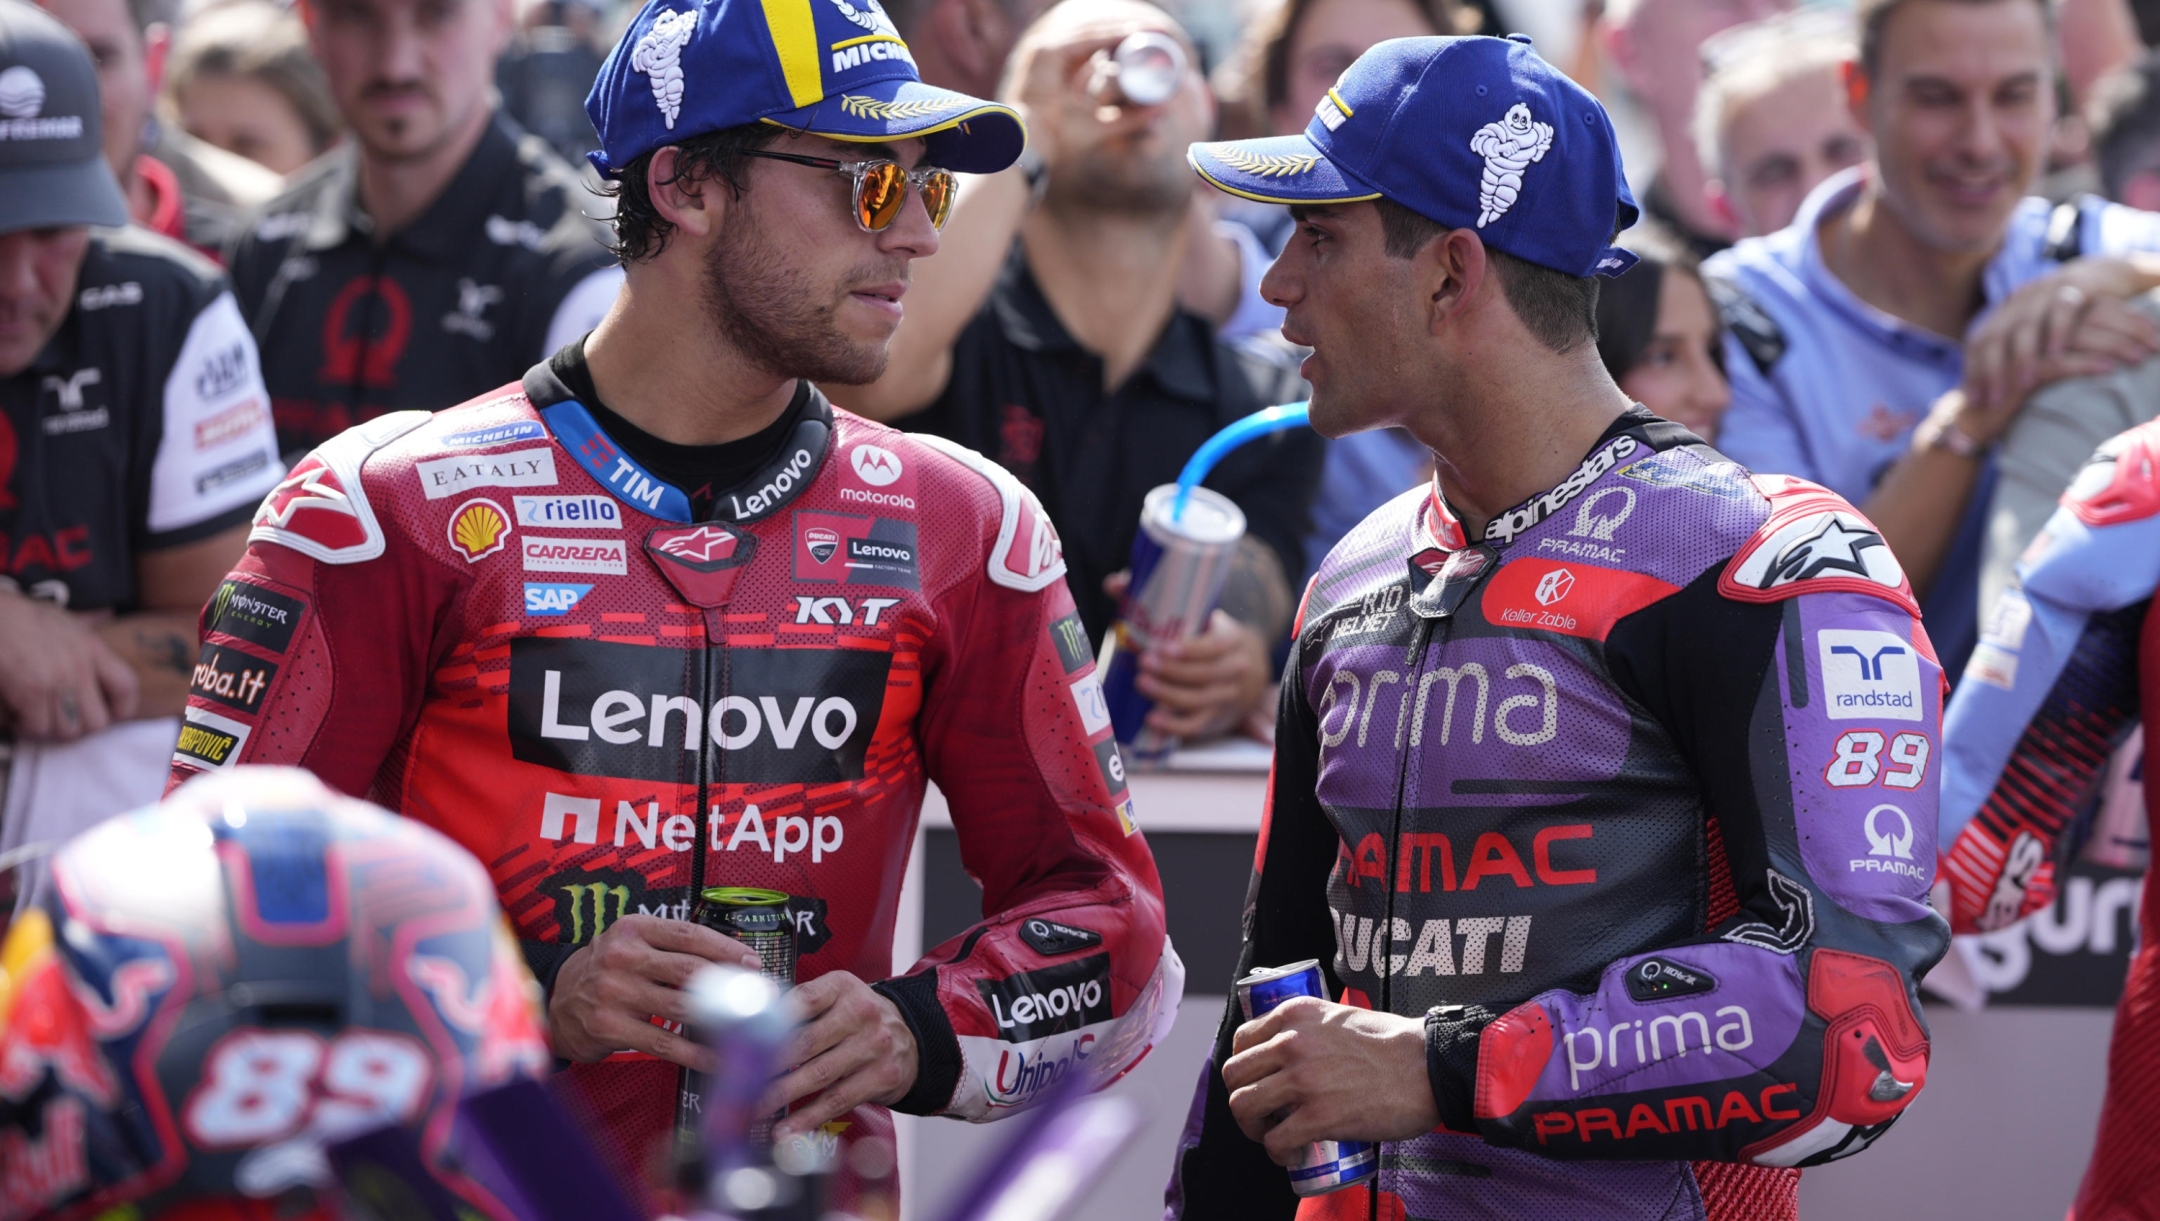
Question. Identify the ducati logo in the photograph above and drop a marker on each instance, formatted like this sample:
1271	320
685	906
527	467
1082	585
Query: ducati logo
821	543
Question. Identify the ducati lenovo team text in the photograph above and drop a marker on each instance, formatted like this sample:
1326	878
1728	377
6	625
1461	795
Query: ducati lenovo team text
537	650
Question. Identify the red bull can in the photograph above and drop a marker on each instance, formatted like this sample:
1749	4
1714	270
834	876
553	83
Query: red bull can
1178	569
1328	1165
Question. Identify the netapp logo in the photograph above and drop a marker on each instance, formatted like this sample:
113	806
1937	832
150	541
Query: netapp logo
787	716
1053	1000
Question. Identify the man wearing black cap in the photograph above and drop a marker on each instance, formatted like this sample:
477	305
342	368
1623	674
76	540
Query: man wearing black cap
1605	777
657	622
134	439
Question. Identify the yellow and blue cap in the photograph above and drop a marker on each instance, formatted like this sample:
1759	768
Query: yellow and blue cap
833	68
1471	132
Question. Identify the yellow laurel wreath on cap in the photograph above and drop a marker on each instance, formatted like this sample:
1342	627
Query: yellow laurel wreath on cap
872	108
1268	167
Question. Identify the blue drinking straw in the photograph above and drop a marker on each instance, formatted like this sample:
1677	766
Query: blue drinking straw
1211	451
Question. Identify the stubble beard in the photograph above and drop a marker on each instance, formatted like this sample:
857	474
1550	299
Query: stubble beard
771	314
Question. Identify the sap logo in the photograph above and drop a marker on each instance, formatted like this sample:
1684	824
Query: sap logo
877	467
1554	586
1869	674
1609	1048
1523	719
838	611
553	599
1688	1114
1361	940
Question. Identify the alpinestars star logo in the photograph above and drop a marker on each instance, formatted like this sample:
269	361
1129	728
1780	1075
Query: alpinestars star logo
658	54
1834	548
704	545
309	488
1508	144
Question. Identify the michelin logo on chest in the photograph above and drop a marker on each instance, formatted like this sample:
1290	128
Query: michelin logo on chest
1870	676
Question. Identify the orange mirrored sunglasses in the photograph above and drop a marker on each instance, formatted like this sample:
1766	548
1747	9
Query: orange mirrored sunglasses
881	187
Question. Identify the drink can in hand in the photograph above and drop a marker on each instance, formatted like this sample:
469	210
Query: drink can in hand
1178	568
1149	68
1328	1165
761	920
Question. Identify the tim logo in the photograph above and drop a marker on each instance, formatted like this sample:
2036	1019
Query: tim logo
877	467
1870	674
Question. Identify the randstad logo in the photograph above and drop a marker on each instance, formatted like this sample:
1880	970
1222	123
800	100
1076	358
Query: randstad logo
1873	675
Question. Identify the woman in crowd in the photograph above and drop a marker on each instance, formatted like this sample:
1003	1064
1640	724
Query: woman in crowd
241	78
1659	336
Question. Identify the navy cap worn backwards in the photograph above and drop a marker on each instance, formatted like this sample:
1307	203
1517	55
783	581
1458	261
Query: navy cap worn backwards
1470	132
833	68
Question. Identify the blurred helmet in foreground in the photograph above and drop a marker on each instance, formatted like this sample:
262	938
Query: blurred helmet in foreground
209	990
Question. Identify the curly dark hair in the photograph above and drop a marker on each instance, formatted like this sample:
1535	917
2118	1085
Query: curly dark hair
715	156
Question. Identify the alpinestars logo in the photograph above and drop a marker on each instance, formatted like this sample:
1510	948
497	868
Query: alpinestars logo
704	545
1504	528
1834	548
658	54
307	488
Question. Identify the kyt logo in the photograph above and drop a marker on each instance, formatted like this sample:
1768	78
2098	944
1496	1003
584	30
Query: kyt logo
875	466
839	612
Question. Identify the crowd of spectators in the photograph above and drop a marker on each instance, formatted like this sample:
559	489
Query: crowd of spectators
1903	248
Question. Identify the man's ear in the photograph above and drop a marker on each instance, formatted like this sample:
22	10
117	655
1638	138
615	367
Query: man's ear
1455	272
1857	89
696	207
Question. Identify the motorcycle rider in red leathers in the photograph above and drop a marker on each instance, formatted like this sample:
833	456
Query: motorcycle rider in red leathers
660	619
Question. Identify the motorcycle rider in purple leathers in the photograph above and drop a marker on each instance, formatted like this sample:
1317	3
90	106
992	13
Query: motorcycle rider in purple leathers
1606	773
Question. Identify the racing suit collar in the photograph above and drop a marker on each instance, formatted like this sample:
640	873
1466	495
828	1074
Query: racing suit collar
1441	527
767	490
449	226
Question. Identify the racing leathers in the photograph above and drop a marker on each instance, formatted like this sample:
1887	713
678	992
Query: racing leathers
496	621
2066	660
1635	800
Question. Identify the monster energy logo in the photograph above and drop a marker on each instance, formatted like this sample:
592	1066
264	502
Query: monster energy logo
606	902
1072	643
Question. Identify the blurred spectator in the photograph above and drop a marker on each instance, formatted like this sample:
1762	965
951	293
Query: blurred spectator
1845	325
1064	354
1659	337
175	183
1657	47
549	69
241	78
963	44
1771	121
134	445
438	252
2126	134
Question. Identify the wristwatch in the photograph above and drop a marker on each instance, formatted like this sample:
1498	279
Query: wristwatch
1037	174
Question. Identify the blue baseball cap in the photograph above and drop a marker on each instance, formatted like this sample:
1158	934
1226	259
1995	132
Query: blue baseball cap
1470	132
833	68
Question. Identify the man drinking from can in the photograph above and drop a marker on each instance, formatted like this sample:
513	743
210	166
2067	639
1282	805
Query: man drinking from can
1604	784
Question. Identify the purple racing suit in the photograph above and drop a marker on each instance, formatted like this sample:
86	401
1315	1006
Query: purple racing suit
1636	799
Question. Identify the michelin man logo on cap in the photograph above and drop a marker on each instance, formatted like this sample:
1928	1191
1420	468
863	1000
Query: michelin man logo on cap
658	55
868	15
1509	144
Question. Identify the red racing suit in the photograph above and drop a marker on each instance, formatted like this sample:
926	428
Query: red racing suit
495	621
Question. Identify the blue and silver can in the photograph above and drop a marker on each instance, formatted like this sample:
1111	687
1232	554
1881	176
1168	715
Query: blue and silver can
1179	563
1328	1165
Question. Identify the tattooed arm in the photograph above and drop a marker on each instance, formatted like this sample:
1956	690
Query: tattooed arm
159	642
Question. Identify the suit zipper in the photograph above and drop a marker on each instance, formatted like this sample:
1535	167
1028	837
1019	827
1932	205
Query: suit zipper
1414	664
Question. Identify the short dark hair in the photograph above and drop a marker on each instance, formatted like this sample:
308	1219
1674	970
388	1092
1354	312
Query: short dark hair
2125	112
1560	309
715	156
1873	16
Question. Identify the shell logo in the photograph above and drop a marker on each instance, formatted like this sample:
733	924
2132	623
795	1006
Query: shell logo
479	529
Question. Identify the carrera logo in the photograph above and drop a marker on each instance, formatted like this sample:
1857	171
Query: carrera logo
478	529
524	468
232	678
853	550
259	616
312	503
606	556
1053	1000
235	421
788	716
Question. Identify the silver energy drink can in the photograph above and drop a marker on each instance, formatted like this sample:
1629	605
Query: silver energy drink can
1148	68
1328	1165
1178	568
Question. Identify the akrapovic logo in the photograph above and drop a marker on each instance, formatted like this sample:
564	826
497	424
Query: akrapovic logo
1055	999
786	716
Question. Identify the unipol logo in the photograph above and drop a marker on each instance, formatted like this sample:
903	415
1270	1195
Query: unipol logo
877	467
